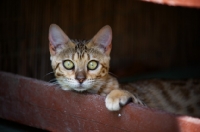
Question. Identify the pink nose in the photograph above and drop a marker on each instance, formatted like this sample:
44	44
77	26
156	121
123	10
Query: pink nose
80	76
81	80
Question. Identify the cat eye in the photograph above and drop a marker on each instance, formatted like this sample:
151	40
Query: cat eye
69	65
92	65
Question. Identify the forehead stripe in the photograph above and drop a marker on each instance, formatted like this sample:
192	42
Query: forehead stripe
80	49
72	56
57	66
88	56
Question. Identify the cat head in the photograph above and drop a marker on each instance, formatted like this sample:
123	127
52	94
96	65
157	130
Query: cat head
80	65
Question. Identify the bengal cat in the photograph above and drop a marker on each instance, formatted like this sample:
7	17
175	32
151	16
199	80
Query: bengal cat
84	66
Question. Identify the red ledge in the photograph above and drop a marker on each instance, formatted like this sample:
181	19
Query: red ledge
186	3
40	104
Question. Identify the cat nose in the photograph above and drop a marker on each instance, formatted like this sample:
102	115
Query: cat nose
81	80
80	76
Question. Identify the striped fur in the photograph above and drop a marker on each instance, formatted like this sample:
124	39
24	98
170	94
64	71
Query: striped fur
180	97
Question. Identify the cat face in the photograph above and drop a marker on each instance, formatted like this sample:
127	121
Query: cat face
80	65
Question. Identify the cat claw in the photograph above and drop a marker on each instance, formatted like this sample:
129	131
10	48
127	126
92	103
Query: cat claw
116	99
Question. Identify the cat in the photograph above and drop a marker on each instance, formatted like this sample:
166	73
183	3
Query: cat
82	65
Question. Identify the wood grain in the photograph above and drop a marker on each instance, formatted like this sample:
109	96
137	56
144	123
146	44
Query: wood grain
39	104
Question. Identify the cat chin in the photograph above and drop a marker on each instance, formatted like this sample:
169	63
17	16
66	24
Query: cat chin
80	89
66	88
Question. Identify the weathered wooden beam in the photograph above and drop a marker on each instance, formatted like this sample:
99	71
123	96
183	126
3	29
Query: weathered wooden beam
42	105
186	3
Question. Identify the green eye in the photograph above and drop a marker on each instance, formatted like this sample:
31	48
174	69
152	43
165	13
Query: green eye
92	65
69	65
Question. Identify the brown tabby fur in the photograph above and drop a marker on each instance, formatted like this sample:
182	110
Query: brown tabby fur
180	97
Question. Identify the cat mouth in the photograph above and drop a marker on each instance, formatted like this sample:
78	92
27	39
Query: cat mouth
80	89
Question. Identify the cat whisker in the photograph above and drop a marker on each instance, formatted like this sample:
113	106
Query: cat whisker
52	80
48	74
54	83
113	74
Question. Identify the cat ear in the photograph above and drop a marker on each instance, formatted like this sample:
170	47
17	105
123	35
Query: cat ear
57	39
104	38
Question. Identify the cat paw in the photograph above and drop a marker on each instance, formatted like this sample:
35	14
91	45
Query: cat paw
117	98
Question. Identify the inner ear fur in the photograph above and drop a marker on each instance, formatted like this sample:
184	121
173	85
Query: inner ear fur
57	39
103	39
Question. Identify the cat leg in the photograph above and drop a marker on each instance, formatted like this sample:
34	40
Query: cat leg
117	98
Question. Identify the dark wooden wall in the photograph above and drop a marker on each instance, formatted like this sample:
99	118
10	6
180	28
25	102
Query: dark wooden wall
147	37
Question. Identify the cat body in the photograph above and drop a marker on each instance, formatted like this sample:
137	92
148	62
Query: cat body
84	66
175	96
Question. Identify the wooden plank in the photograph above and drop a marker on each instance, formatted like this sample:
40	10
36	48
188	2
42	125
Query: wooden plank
187	3
40	104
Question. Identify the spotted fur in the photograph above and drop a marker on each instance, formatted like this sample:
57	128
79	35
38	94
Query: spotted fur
175	96
180	96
